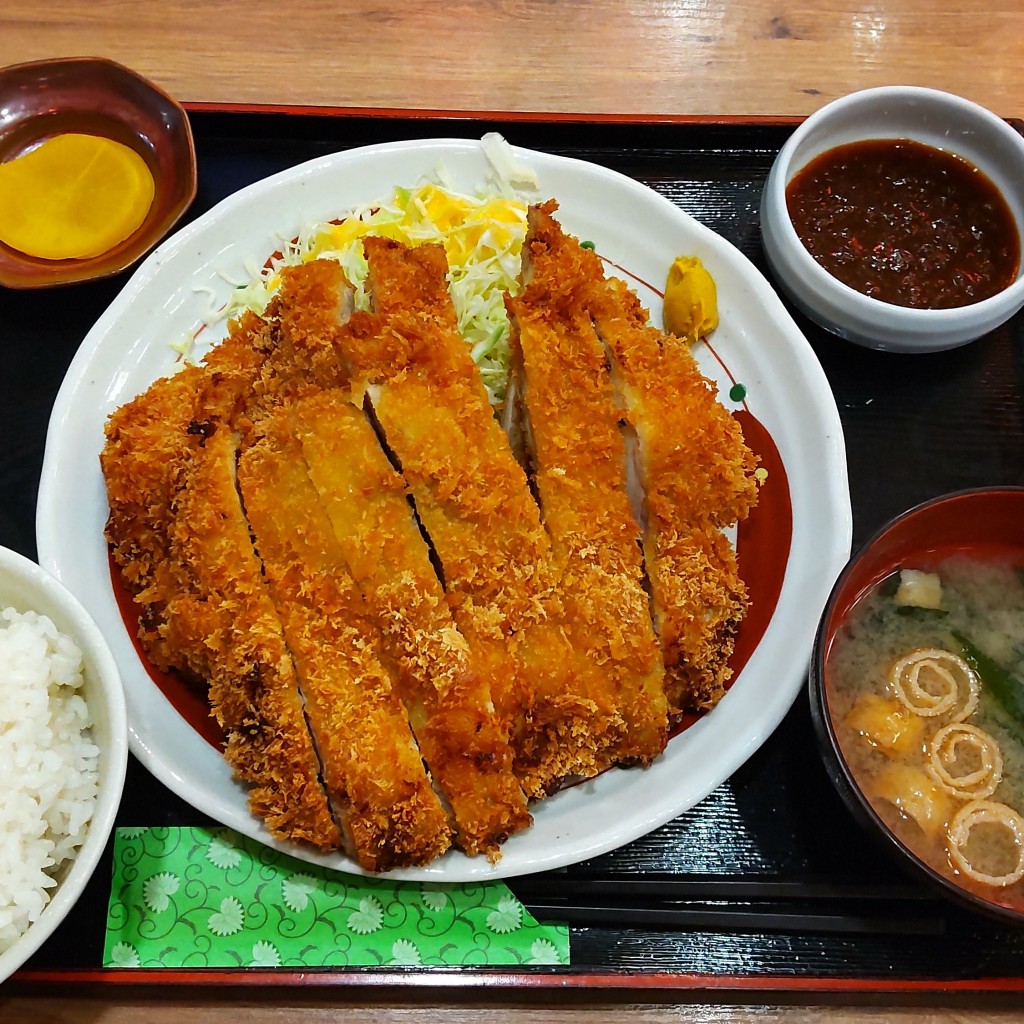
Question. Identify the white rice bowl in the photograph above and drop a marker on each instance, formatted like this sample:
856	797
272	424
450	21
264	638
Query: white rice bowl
45	739
63	748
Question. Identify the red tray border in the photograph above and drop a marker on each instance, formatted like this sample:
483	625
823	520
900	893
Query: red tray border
511	116
490	980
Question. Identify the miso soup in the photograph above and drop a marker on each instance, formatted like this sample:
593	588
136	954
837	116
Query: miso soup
924	687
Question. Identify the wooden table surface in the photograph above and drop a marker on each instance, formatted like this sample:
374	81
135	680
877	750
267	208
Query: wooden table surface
623	56
654	57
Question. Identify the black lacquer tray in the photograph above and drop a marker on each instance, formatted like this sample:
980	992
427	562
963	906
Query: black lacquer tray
768	884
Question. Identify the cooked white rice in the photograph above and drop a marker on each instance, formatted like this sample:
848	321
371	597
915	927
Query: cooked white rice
48	777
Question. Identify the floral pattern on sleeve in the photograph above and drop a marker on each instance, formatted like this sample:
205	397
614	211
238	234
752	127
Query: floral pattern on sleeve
198	897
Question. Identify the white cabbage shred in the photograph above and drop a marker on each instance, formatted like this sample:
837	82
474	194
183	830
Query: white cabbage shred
482	233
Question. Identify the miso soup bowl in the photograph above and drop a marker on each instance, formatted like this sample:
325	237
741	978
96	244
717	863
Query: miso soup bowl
965	521
928	116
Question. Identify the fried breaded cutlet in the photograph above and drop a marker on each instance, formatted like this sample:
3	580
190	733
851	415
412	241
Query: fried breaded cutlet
147	442
578	459
697	475
447	699
304	318
326	523
447	695
179	535
372	769
473	500
254	692
695	471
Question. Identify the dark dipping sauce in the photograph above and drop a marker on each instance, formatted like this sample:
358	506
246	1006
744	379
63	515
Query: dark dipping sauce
905	223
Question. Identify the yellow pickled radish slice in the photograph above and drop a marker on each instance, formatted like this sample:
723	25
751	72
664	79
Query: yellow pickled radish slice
73	196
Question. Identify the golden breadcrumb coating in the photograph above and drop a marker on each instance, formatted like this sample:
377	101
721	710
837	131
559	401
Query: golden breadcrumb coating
578	456
179	536
313	300
697	476
372	768
400	647
254	691
475	505
148	441
448	698
449	705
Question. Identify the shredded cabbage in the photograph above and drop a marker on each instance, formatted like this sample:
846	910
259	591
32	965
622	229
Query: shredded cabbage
483	237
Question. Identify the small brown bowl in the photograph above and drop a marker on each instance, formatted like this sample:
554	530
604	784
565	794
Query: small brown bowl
978	522
95	96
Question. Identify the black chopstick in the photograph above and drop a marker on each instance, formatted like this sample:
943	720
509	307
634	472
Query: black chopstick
674	902
729	919
675	887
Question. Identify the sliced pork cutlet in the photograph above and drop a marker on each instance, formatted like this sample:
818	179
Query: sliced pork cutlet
312	302
178	534
448	700
447	696
149	442
578	456
474	503
697	477
254	691
378	786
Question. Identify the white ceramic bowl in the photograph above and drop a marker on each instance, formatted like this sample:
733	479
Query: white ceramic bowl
928	116
25	586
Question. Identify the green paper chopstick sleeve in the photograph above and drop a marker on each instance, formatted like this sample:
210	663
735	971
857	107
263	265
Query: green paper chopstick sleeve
198	897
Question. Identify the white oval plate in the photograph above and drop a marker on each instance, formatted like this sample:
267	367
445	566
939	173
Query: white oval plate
630	225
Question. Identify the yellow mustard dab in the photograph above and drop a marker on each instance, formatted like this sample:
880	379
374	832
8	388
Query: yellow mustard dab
73	196
691	299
